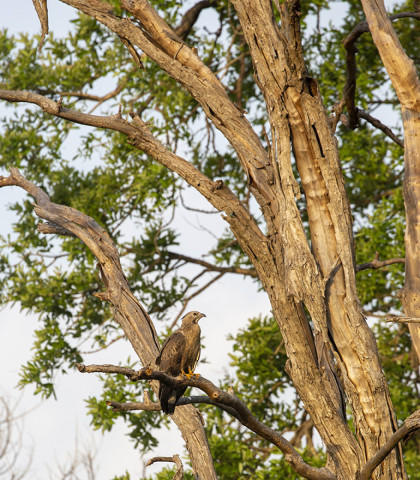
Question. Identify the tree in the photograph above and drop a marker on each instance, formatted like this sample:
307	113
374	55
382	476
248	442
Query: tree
265	89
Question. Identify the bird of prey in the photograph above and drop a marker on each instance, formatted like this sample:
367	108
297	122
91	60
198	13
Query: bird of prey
179	355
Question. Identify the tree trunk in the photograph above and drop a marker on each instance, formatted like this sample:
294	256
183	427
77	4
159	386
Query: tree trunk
324	281
406	83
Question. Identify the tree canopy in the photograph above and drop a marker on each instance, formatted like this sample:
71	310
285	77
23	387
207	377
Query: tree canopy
284	117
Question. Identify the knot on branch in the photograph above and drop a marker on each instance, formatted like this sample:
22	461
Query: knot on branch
217	185
104	296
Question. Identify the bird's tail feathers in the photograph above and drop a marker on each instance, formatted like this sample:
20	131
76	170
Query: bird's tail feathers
167	398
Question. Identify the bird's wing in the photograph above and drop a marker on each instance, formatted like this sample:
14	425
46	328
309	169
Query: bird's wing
195	357
170	357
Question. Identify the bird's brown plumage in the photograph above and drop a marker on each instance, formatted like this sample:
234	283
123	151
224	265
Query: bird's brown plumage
180	352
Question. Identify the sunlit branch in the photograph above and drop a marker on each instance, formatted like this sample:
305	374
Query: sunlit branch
411	425
378	124
160	43
179	474
215	268
402	319
140	136
42	12
376	263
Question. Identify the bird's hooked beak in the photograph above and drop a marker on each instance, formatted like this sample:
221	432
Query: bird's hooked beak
199	317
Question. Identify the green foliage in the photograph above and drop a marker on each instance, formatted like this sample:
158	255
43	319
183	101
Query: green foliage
125	476
168	474
261	382
141	425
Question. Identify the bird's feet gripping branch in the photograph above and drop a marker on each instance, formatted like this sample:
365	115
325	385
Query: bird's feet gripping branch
190	374
179	353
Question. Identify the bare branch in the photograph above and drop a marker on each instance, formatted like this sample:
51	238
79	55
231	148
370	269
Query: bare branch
133	52
159	42
223	400
179	474
402	319
96	98
192	209
191	16
42	12
363	27
155	406
378	124
49	228
376	263
128	407
215	268
411	425
349	91
101	245
195	294
128	311
108	368
11	442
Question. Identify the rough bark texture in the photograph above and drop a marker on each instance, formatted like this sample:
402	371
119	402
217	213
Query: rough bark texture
405	80
329	293
311	285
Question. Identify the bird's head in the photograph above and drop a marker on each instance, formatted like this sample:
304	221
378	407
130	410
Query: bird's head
191	318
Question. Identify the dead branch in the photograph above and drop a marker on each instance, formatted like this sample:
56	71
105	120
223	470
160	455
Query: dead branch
222	399
50	228
96	98
376	263
42	12
378	124
101	245
363	27
411	425
349	90
130	406
179	474
191	16
133	52
128	372
195	294
155	406
12	448
402	319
